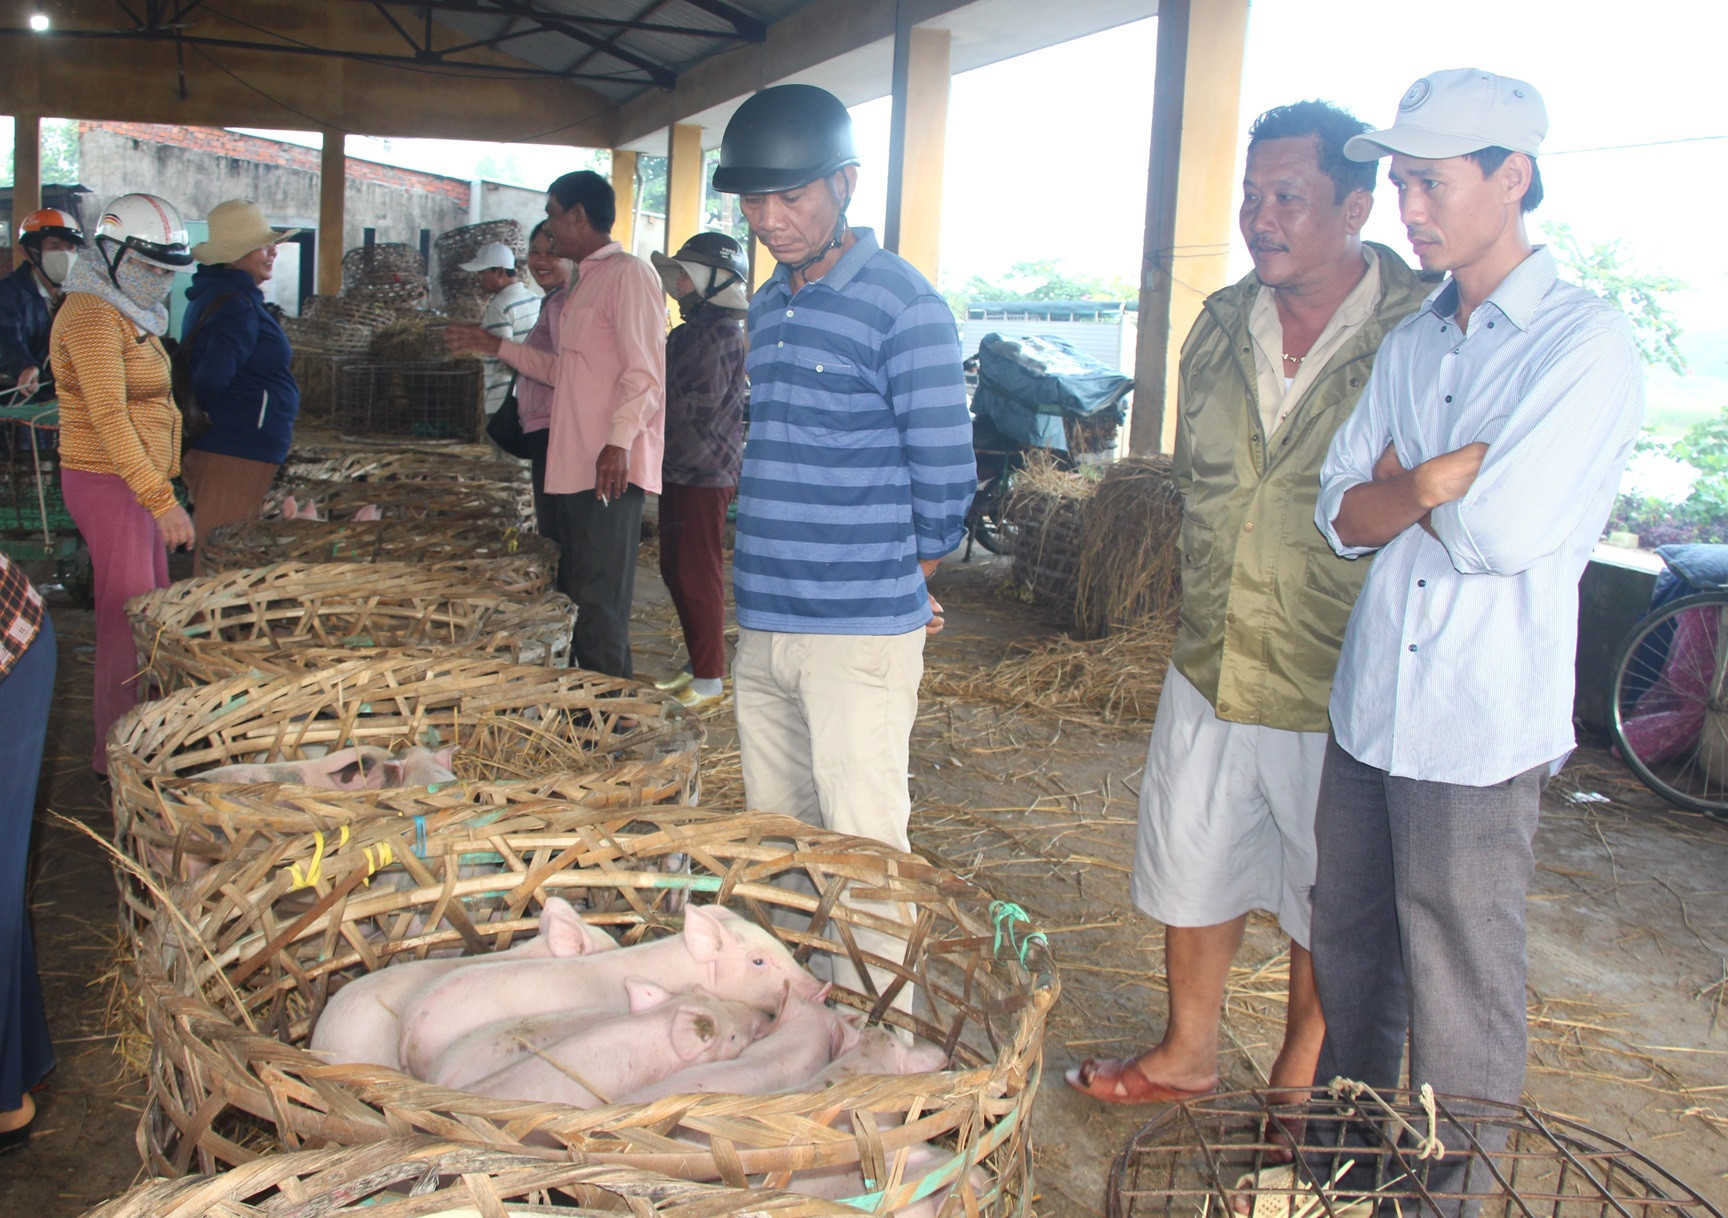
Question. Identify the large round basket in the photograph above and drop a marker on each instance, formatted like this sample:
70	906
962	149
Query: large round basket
375	463
492	550
294	616
523	733
423	1178
231	990
441	499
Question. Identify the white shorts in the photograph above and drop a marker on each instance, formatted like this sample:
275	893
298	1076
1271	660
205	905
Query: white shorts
1226	817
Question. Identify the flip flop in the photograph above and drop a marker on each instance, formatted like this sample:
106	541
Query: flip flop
1117	1080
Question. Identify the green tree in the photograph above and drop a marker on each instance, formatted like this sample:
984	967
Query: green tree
1040	279
1601	267
60	163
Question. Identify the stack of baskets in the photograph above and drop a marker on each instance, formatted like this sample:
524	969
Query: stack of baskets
459	293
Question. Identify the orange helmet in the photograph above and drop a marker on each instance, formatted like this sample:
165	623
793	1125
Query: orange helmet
49	222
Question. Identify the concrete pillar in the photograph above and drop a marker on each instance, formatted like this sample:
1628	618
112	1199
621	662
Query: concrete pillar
917	147
332	186
684	186
26	167
1191	191
624	186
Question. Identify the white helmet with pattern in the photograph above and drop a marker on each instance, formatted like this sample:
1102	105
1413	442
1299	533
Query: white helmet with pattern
149	227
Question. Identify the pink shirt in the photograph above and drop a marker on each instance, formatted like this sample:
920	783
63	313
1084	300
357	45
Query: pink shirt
608	374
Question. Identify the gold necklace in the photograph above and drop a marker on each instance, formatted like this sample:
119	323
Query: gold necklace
1294	359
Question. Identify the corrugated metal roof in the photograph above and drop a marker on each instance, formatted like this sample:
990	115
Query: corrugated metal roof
618	48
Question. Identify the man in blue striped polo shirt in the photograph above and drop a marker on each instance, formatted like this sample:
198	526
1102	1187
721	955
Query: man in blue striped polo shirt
858	471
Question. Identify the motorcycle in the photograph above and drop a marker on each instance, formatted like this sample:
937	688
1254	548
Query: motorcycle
1033	393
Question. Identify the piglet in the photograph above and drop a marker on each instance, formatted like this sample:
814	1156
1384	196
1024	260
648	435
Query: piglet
351	769
360	1023
880	1051
293	509
806	1035
729	957
422	767
620	1053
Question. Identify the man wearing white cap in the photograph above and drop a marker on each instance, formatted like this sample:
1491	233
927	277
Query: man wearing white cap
511	313
1479	466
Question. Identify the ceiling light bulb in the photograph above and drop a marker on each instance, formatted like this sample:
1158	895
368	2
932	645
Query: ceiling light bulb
39	21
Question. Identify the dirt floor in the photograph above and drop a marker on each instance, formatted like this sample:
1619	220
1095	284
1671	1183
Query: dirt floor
1629	920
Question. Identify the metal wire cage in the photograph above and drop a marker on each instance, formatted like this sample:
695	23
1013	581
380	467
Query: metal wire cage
1349	1152
428	401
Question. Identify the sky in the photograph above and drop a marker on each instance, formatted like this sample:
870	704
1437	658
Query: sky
1047	153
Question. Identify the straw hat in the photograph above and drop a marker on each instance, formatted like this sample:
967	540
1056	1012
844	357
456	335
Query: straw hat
237	227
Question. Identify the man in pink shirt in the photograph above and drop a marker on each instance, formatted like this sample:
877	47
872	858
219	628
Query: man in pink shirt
608	378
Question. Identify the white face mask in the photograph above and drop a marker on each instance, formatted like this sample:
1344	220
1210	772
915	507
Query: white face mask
57	264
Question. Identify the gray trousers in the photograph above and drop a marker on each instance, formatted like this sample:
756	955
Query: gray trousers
1419	929
597	546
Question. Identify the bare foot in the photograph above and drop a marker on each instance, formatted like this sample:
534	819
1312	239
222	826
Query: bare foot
19	1116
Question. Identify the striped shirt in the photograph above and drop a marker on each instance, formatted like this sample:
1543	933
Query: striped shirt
858	458
116	412
510	314
1457	664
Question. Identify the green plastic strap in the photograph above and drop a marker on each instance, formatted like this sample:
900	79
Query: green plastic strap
1005	914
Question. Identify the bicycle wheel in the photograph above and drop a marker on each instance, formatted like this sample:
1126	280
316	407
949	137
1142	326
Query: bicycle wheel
1668	699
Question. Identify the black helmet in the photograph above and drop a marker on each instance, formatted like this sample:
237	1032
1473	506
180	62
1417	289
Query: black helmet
726	288
783	138
715	250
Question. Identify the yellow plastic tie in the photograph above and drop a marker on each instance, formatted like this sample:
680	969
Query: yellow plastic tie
314	870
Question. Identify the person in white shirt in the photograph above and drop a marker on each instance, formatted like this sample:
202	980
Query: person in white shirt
511	313
1479	467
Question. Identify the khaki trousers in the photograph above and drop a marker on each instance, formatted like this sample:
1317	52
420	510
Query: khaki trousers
824	735
224	490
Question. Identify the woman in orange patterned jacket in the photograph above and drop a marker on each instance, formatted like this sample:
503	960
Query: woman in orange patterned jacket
120	429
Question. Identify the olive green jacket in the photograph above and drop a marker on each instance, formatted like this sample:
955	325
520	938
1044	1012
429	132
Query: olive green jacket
1264	598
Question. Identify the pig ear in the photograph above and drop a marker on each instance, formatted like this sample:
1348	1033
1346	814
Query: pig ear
704	935
848	1031
644	994
446	755
565	932
290	507
693	1031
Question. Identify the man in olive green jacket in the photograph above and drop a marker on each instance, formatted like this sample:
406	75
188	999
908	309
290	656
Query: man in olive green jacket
1271	369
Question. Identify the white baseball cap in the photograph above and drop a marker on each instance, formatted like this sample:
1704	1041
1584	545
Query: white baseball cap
492	254
1462	110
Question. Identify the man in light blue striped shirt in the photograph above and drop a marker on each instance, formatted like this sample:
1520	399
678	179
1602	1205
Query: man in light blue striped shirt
858	471
1480	465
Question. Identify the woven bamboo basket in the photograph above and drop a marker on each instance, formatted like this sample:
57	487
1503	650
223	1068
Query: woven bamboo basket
229	994
355	310
381	258
1046	513
429	500
492	550
328	337
289	617
400	460
523	733
423	1178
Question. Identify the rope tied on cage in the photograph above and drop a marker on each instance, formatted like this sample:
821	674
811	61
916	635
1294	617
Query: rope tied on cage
1004	914
1428	1146
305	877
377	858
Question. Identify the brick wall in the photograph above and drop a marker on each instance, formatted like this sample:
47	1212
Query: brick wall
219	142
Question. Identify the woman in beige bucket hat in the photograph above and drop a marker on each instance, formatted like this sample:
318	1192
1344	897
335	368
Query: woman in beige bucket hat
240	369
